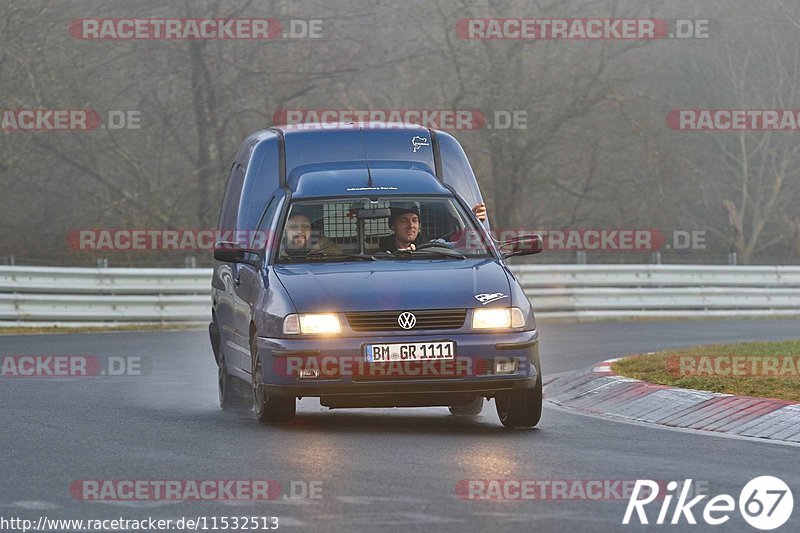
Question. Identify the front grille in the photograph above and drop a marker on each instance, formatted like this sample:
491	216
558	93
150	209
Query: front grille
427	319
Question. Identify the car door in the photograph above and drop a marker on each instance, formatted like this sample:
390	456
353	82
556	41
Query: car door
249	282
225	273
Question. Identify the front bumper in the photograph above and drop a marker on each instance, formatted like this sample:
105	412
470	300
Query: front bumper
342	372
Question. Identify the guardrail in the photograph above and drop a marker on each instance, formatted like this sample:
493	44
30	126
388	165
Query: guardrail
32	296
634	291
53	296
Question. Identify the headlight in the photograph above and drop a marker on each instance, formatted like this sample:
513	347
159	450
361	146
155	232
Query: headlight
311	324
498	318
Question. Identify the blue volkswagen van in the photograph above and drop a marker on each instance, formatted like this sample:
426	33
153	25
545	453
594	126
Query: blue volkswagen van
358	274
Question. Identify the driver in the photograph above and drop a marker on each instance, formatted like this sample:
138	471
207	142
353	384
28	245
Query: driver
404	222
297	241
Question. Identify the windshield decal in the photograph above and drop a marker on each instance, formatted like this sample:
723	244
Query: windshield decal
486	298
371	188
417	142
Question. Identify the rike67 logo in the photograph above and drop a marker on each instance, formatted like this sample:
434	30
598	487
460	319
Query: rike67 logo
765	503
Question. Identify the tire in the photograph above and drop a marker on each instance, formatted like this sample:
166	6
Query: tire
231	397
473	408
269	409
520	408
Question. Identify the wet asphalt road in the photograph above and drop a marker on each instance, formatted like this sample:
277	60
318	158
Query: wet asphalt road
386	469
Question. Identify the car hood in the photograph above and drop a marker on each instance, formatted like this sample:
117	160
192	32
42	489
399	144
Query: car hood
387	285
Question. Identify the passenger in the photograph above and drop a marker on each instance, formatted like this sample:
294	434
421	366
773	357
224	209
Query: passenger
480	211
297	241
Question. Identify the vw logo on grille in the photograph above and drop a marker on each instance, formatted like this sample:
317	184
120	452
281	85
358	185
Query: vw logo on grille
407	320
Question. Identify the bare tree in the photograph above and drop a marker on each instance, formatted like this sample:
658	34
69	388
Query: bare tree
759	171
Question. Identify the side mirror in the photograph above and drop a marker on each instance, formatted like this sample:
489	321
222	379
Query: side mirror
522	245
233	252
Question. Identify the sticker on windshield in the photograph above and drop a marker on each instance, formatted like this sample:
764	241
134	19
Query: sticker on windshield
419	142
372	188
486	298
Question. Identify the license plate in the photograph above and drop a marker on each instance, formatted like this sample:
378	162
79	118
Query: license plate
409	351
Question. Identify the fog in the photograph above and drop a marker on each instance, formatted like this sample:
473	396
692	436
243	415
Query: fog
565	133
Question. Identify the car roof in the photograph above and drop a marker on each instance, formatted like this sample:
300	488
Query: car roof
353	158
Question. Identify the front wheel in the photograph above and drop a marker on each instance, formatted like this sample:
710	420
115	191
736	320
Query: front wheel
230	395
270	409
520	408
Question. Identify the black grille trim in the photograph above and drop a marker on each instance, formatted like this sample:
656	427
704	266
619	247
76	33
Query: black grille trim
427	319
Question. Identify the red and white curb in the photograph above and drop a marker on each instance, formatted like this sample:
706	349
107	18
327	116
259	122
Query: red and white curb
599	390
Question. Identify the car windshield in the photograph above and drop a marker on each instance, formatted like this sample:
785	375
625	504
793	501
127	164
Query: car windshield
382	228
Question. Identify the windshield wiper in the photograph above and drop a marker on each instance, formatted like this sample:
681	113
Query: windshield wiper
440	249
318	254
324	256
435	249
364	257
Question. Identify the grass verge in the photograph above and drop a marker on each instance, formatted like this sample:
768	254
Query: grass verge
760	369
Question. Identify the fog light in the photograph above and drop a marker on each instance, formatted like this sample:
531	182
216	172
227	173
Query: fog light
505	367
308	373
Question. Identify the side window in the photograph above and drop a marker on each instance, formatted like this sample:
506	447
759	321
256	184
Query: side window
263	235
230	204
260	185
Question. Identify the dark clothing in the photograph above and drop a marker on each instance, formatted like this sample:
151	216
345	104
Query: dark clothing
387	244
